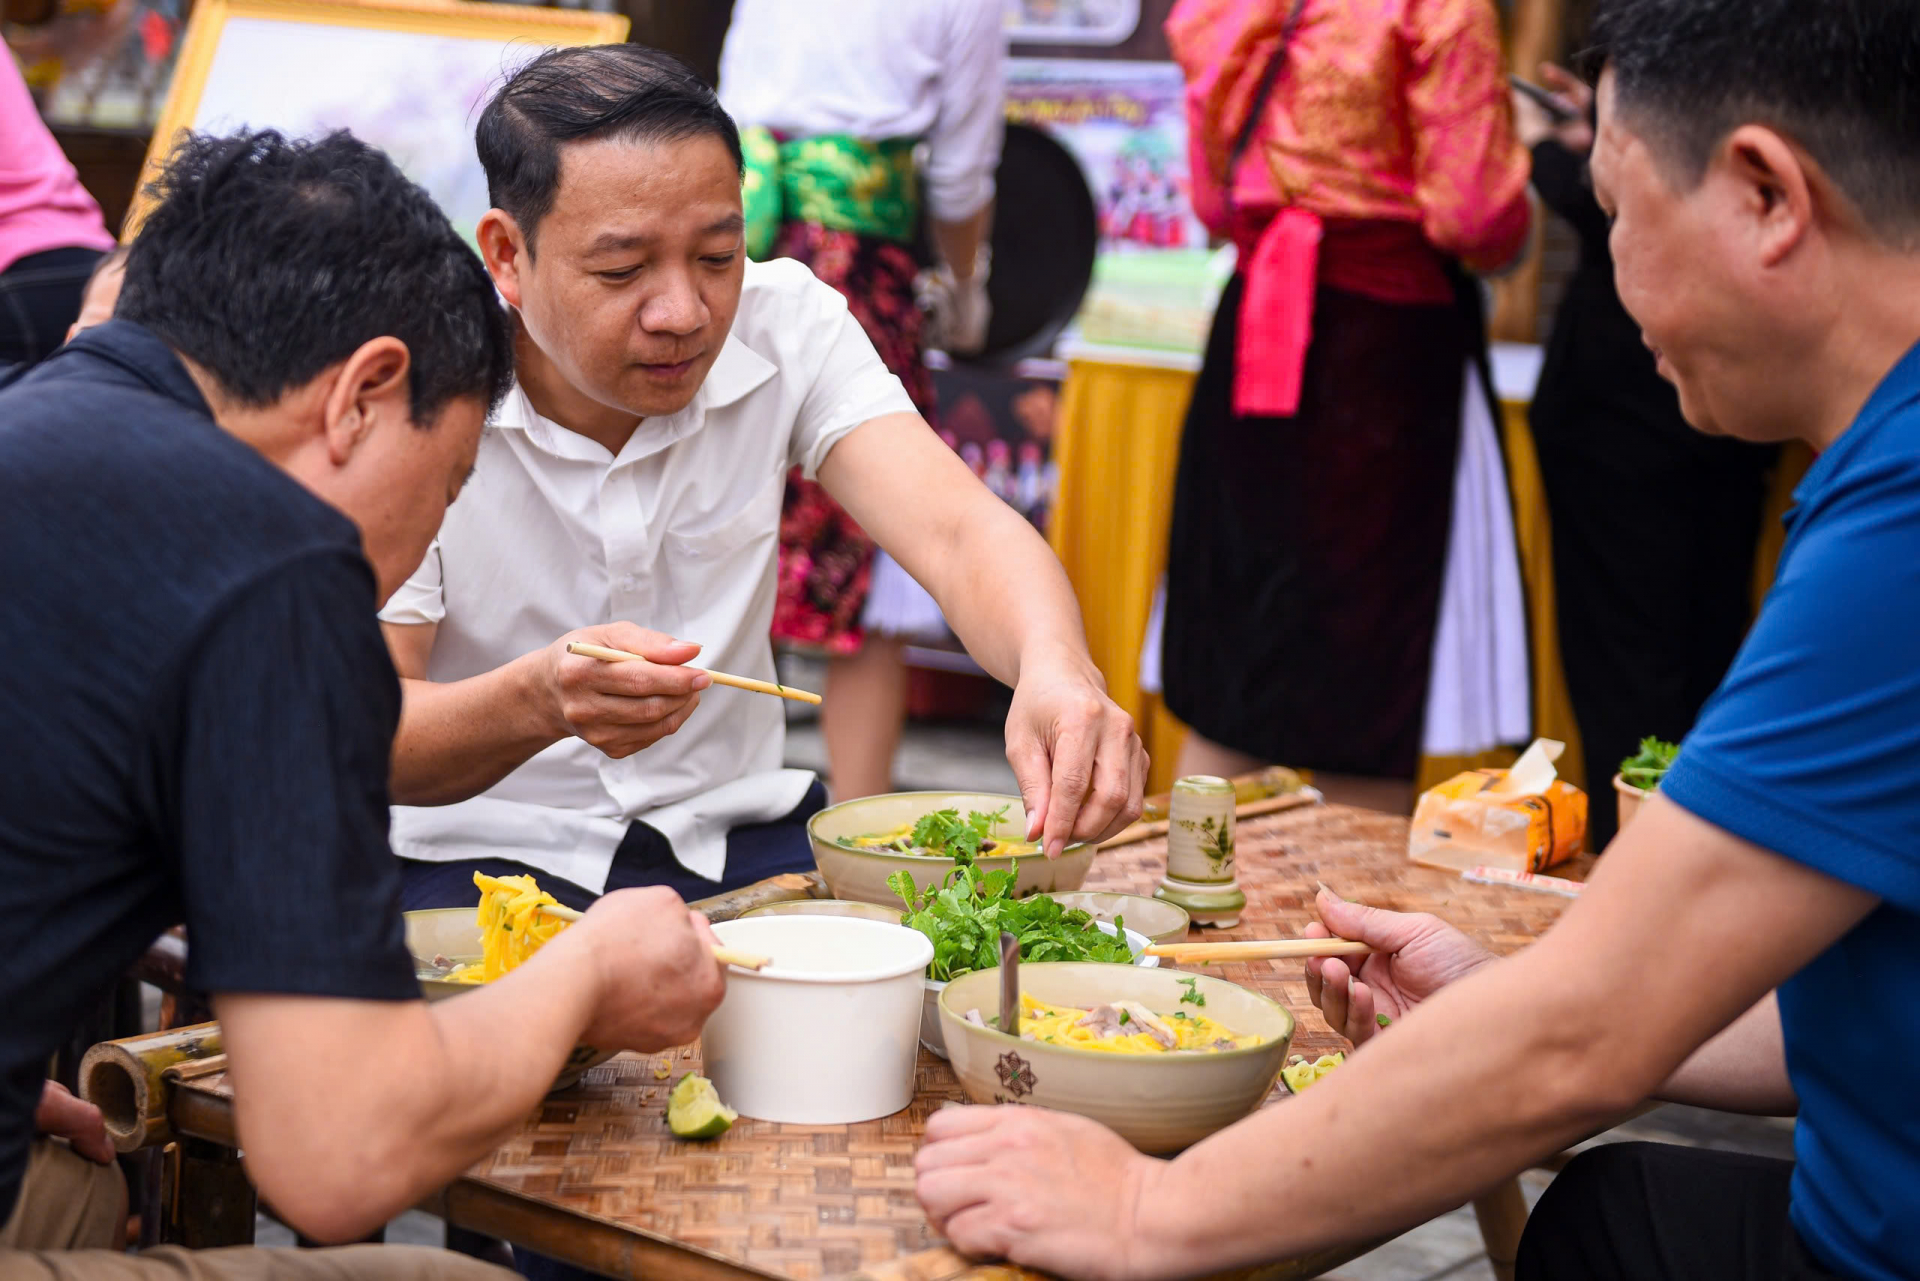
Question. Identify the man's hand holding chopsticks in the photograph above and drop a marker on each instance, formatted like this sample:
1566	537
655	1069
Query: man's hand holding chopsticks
1415	954
621	708
655	976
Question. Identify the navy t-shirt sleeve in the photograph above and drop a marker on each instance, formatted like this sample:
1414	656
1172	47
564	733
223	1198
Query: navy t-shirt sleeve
1808	748
287	709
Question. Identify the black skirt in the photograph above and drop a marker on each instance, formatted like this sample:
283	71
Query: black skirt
1307	553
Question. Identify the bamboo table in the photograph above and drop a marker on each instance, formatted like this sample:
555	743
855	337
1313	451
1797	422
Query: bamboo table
595	1179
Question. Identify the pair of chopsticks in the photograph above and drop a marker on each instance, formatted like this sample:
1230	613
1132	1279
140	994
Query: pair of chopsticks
724	955
1257	950
606	655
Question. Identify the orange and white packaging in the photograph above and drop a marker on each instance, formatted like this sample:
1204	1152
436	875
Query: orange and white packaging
1523	819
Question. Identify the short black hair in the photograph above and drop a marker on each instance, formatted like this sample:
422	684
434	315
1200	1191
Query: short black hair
266	260
1841	78
581	92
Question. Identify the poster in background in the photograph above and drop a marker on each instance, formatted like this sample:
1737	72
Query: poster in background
1090	22
1001	423
1155	278
407	76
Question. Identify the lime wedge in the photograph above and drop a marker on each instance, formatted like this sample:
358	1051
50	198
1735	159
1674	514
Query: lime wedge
694	1110
1299	1074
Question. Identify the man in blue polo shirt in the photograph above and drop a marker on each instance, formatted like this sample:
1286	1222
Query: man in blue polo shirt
1752	941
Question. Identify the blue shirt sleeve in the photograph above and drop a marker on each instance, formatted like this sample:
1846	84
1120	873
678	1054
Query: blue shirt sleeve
1811	746
283	736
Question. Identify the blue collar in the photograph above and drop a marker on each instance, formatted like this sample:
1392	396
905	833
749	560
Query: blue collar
1900	388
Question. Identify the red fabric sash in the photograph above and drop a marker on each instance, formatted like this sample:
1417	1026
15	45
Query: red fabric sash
1285	255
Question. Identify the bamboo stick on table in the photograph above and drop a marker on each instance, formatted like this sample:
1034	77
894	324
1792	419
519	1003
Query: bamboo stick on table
1257	950
724	955
1252	809
607	655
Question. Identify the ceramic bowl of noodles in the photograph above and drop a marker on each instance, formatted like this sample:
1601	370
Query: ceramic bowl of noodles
935	1040
441	940
1159	920
858	844
1162	1058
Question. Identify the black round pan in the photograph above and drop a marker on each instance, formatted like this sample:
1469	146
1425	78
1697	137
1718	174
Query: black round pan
1044	235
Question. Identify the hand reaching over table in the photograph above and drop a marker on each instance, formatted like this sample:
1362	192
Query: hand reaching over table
1414	955
1081	766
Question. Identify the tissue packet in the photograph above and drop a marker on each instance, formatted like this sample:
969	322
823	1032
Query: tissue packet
1466	822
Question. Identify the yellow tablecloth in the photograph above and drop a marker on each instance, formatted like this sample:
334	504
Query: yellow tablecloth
1117	446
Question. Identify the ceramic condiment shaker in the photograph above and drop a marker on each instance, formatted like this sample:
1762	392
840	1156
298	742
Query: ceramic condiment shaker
1200	852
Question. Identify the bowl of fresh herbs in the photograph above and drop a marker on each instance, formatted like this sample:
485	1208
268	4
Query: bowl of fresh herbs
858	845
1640	775
965	914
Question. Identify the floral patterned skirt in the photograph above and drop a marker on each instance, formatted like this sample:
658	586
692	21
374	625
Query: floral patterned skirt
826	559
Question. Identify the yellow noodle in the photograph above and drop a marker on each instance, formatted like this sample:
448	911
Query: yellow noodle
512	927
1059	1025
1001	848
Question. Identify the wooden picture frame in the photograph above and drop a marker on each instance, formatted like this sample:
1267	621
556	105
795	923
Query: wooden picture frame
434	29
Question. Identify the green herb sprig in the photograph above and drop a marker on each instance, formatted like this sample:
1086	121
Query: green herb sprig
945	833
1646	768
965	914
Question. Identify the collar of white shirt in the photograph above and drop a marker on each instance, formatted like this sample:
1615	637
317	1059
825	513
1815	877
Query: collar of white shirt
737	371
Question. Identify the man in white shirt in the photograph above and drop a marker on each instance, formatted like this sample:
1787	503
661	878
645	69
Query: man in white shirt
629	495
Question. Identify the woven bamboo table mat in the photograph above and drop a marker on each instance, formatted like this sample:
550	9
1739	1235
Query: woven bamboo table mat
809	1202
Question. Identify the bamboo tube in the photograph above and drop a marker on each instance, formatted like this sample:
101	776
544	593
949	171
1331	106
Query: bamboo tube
124	1079
606	655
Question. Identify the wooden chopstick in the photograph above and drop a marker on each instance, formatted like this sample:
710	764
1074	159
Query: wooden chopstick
745	960
606	655
724	955
1257	949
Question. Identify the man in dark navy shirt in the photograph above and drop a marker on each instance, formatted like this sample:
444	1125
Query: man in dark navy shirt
205	501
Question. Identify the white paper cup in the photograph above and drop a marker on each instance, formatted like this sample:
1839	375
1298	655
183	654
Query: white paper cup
826	1034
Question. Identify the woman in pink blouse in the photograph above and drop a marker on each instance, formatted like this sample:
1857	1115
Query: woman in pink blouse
1359	155
51	232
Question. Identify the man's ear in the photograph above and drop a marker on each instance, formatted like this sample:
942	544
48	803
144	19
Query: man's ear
504	249
1776	191
371	390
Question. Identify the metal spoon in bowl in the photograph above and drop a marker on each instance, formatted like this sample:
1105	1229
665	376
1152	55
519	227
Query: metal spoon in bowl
1009	984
